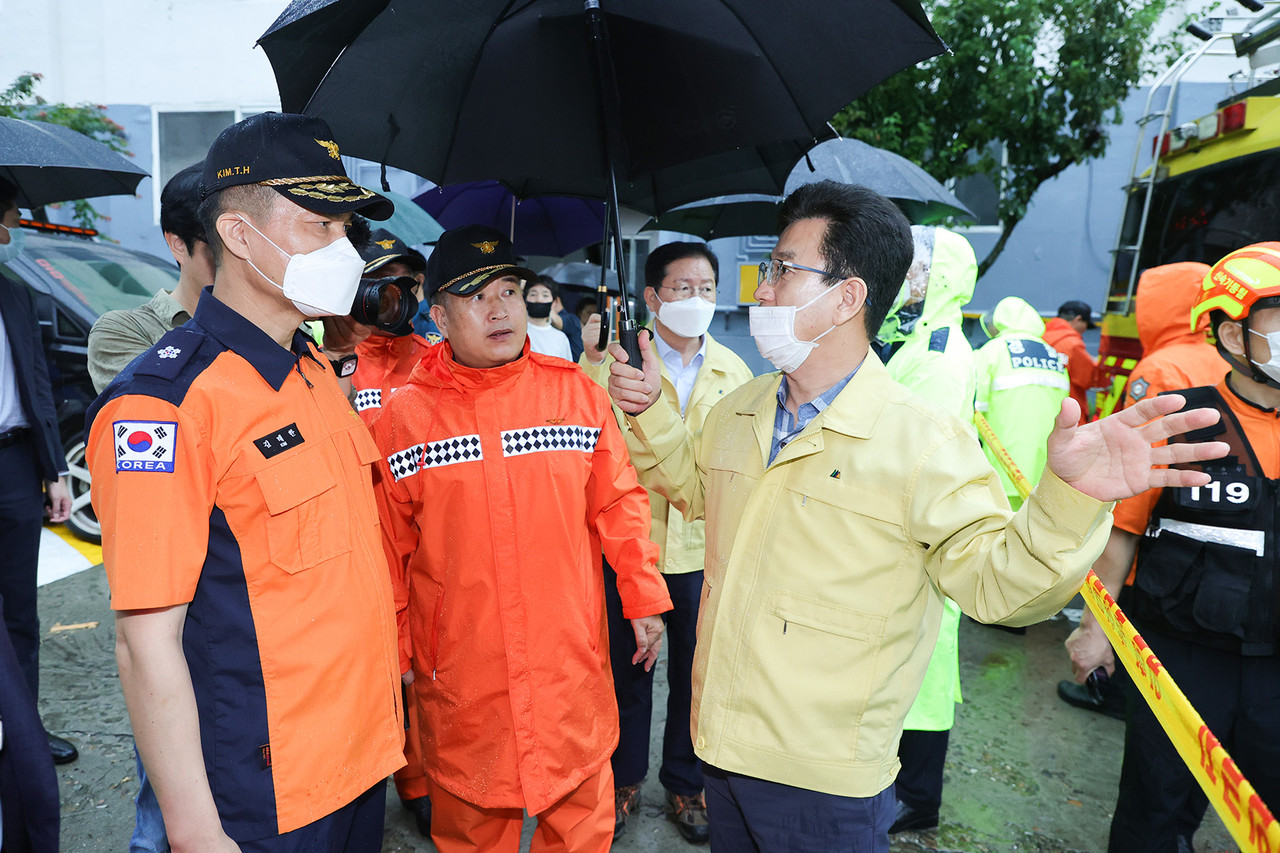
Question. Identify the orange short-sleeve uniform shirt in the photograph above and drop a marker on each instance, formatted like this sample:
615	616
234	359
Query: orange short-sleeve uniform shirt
231	475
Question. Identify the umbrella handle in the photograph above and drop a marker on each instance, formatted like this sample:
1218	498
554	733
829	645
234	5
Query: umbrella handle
629	338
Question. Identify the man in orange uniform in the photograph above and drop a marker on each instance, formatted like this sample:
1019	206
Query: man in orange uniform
255	629
1177	355
1203	595
387	358
505	477
1064	333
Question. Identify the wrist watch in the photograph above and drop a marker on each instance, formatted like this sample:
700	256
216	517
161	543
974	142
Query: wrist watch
344	366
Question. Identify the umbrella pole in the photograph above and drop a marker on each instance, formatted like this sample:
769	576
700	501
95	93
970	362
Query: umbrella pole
628	334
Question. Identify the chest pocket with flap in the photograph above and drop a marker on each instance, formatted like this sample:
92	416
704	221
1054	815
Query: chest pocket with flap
306	521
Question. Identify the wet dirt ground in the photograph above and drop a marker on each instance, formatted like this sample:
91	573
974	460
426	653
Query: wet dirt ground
1025	772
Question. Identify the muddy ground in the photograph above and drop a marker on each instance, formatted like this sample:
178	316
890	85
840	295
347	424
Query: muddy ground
1025	772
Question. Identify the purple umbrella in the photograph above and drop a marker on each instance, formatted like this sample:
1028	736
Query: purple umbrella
548	225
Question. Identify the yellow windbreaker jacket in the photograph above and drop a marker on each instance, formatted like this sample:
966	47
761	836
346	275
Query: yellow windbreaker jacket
825	571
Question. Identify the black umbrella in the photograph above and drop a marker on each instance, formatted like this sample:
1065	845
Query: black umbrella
552	98
921	196
743	215
49	163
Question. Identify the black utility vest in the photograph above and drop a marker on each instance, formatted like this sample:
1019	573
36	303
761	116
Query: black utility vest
1207	566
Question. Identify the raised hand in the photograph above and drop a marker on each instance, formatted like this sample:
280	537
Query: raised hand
1114	458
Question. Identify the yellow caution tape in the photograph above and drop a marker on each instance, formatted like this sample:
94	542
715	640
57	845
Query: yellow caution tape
1247	818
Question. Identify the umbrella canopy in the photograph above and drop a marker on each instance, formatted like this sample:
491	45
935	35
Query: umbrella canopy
920	195
49	163
581	275
543	225
495	90
410	222
745	215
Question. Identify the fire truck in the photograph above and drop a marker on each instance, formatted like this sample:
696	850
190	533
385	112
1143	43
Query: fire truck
1209	185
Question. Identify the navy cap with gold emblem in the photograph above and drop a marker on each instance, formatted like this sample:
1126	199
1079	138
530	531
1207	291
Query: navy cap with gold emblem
296	156
467	258
383	248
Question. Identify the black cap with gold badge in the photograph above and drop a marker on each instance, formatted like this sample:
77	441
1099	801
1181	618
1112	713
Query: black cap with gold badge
384	247
296	156
467	258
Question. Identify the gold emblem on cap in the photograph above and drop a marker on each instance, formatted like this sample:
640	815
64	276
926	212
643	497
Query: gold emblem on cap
386	244
487	247
331	147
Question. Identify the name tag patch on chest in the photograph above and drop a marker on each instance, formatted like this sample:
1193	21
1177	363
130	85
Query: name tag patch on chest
275	443
145	445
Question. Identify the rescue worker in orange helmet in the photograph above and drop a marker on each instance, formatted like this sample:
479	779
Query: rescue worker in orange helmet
505	475
1204	593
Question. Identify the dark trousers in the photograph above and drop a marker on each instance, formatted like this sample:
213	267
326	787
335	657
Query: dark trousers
919	783
748	814
21	516
1239	700
354	828
681	771
28	783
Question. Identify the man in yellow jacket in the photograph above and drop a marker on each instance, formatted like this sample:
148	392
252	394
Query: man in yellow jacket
697	371
840	511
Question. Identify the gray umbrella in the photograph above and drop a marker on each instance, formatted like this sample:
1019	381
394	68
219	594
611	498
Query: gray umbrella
49	163
745	215
922	197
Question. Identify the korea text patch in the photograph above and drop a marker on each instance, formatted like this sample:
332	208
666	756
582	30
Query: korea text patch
145	445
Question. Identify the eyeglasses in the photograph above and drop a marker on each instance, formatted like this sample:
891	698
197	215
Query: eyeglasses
771	270
684	291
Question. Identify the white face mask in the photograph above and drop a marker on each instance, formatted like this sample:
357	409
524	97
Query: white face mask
774	329
322	283
1272	367
11	250
688	318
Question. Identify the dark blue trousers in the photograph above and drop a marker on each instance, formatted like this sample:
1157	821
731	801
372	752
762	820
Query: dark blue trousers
21	517
681	771
354	828
749	815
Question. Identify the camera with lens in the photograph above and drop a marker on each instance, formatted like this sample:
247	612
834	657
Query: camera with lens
387	304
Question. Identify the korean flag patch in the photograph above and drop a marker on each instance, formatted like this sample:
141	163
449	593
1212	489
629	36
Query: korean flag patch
145	445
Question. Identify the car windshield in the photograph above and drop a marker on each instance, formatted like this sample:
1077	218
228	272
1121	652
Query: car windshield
102	276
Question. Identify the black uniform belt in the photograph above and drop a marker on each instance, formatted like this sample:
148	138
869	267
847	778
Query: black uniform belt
14	436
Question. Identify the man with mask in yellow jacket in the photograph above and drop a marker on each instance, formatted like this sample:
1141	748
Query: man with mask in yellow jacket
841	509
697	372
924	348
1022	382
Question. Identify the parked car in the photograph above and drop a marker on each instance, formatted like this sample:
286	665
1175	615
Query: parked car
74	281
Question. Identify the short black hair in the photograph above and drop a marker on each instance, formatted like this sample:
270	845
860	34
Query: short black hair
8	194
655	266
255	199
359	232
546	281
867	236
180	207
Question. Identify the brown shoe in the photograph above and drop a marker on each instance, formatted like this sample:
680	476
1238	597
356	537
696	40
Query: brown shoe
625	801
690	815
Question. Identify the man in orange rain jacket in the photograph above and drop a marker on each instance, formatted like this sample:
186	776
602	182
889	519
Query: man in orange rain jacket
1174	356
1064	333
505	476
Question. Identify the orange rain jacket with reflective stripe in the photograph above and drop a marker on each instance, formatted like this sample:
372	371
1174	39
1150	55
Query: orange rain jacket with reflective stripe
499	490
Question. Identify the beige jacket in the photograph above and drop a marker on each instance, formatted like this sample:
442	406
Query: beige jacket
825	572
682	542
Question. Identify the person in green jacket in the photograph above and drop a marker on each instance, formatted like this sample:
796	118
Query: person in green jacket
925	350
1022	382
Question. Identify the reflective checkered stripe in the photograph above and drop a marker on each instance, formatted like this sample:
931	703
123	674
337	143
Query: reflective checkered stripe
368	398
517	442
435	454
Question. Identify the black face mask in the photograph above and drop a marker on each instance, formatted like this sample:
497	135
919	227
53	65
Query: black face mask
538	310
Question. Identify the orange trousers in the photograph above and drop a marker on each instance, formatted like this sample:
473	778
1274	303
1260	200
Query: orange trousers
411	781
581	822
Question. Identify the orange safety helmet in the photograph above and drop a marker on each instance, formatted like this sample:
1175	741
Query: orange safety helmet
1241	280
